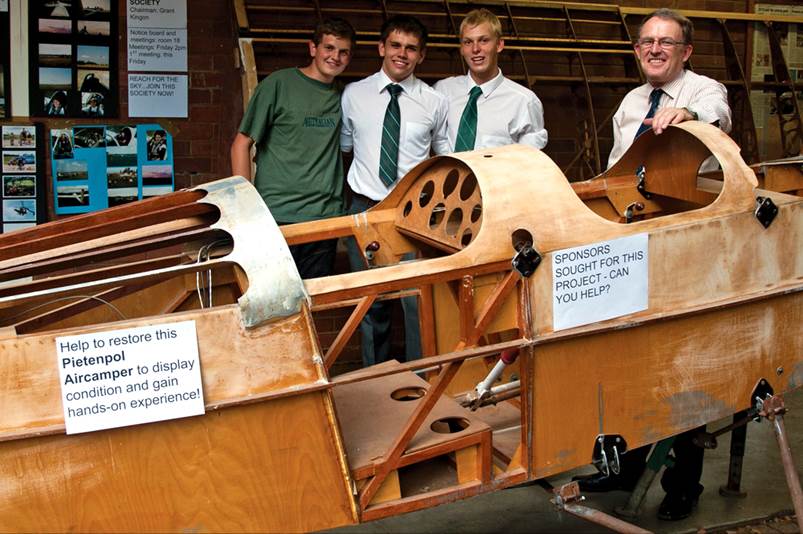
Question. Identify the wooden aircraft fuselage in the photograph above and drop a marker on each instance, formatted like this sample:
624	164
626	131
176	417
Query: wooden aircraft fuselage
285	446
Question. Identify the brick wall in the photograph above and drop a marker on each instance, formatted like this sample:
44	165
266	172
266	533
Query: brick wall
201	142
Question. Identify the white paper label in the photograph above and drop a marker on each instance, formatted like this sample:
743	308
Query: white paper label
157	95
601	281
130	376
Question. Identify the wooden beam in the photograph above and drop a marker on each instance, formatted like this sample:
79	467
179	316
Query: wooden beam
348	330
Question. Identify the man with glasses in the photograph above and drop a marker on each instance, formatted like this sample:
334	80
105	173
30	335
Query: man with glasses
670	96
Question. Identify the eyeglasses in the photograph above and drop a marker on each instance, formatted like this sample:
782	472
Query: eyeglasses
665	43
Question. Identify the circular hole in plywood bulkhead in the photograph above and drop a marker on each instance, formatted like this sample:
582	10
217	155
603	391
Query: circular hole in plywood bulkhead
449	425
454	222
408	394
407	208
468	186
450	183
426	193
466	239
476	213
436	217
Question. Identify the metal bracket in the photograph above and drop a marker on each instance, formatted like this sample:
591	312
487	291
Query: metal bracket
633	206
766	211
607	449
526	260
370	251
641	186
762	391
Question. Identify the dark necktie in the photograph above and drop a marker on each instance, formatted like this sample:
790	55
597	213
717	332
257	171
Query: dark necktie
655	97
391	127
467	130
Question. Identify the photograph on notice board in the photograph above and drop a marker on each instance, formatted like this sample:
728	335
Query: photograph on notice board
91	9
157	175
68	196
92	105
19	161
93	57
121	178
120	135
71	170
11	227
157	145
19	186
55	26
61	146
19	210
148	192
121	156
55	55
19	137
57	8
89	137
98	28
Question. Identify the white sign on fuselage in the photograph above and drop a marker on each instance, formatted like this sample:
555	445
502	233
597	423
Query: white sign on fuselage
129	376
601	281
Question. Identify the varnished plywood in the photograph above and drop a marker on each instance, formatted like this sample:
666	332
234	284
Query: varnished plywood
236	364
660	379
266	467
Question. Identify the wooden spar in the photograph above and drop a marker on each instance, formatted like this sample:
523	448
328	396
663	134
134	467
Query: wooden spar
284	446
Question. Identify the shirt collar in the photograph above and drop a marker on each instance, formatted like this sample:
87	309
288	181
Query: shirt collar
672	88
408	84
488	87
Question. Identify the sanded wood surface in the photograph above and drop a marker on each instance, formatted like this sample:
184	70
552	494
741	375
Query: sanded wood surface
236	365
266	467
655	381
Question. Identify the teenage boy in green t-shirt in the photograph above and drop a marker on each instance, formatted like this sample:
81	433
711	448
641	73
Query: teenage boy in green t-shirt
294	119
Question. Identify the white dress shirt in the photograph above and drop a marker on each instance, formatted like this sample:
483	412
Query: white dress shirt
507	112
423	125
700	94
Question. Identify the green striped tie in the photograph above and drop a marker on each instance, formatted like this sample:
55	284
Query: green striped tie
467	131
389	153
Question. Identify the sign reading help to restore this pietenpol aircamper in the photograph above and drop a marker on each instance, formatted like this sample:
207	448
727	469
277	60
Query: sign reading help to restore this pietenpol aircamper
600	281
129	376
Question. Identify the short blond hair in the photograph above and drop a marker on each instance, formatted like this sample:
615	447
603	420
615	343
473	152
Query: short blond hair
475	17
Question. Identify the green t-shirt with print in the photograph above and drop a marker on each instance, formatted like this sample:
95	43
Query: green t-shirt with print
295	124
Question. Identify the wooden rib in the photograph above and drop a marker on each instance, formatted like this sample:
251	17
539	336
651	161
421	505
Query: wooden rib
492	304
91	275
50	316
95	229
589	100
105	217
414	457
347	331
426	320
241	14
50	264
413	281
394	295
97	285
746	121
391	458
